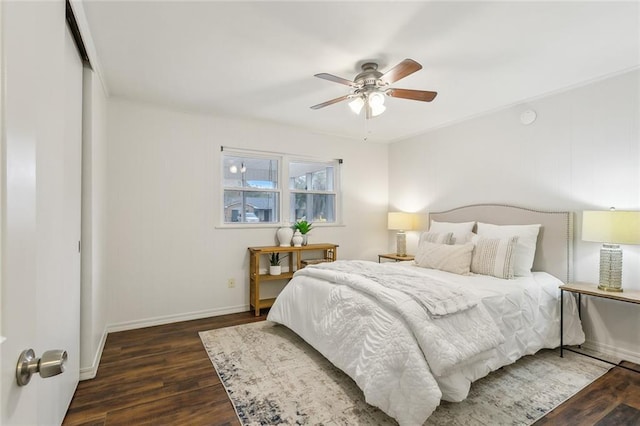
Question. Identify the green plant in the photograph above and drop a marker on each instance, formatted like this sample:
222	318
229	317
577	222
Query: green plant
303	226
275	259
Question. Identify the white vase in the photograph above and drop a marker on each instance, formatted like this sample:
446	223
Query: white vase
304	239
297	239
284	236
275	270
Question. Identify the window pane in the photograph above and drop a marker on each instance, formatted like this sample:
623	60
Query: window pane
298	207
319	180
299	182
248	172
313	207
311	176
250	207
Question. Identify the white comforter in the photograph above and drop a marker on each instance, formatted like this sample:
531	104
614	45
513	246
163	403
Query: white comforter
407	350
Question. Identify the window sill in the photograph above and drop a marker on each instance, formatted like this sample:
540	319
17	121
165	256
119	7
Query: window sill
275	226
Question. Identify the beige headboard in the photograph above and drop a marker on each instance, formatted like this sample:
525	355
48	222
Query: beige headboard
554	252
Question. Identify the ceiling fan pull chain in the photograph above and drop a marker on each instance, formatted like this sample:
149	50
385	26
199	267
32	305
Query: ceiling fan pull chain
366	131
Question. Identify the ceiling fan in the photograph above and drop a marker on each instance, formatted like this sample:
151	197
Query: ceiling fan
370	87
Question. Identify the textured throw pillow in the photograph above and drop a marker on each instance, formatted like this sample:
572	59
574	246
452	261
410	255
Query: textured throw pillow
526	247
461	231
436	237
494	256
450	258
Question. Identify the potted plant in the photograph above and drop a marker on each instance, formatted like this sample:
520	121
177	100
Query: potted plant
274	262
304	227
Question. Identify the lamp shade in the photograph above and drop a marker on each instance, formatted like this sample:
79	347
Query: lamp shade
612	226
400	221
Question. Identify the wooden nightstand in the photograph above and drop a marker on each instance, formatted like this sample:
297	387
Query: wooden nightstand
395	257
591	290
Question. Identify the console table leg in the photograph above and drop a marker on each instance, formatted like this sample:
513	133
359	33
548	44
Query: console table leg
561	321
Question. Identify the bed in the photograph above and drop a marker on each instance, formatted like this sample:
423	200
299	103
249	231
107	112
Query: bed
411	334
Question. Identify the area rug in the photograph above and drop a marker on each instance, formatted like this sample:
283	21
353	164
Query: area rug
273	377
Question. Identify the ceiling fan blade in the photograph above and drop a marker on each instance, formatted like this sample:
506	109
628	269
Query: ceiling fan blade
403	69
331	102
416	95
335	79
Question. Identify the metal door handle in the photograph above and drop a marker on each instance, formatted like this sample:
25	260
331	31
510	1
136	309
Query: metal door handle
50	364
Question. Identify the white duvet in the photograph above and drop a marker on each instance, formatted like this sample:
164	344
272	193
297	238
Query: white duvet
410	336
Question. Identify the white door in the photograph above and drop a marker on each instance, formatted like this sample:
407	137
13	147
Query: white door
41	140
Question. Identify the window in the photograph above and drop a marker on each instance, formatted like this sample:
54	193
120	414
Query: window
251	189
312	191
254	191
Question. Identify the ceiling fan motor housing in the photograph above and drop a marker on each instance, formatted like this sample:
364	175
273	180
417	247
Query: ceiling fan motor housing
370	76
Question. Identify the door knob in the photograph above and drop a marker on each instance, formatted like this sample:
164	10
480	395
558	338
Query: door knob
50	364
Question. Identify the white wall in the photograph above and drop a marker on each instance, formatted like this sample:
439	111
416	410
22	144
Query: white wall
166	258
94	212
582	153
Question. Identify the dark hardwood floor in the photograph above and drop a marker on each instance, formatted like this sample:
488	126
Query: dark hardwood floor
163	376
611	400
157	375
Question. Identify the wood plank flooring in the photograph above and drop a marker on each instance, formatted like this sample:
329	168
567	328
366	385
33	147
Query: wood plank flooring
611	400
157	375
163	376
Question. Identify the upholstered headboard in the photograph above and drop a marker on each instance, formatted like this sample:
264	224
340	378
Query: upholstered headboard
554	251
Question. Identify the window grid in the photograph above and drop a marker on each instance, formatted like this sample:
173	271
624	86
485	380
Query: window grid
268	205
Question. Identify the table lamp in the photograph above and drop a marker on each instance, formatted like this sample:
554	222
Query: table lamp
612	228
399	221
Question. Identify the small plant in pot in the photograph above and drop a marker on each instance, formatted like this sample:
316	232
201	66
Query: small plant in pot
304	227
274	262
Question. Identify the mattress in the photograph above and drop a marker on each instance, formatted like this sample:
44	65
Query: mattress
381	353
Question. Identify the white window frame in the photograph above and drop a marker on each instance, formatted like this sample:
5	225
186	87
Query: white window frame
335	192
244	189
284	193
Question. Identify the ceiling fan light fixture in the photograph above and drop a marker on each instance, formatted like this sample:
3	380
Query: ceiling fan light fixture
376	110
356	104
376	103
376	99
369	88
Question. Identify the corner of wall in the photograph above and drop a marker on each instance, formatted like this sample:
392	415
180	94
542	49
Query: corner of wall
90	372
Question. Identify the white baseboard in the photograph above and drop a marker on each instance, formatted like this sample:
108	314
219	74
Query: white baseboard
613	351
87	373
168	319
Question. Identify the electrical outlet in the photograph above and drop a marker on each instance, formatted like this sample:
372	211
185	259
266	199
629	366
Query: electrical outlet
231	282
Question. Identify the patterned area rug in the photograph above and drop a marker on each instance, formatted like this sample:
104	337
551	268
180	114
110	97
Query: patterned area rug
273	377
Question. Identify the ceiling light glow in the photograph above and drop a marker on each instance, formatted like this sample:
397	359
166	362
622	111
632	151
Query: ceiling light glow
356	104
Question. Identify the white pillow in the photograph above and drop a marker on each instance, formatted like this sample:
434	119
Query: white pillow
494	256
436	237
461	231
450	258
526	247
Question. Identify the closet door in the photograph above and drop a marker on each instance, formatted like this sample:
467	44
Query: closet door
40	184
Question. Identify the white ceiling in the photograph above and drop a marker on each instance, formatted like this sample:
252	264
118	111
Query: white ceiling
256	60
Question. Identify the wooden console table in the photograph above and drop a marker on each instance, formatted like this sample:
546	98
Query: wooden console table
329	254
